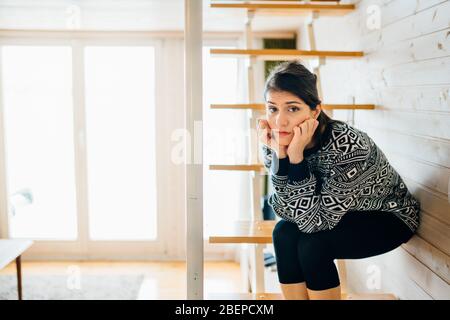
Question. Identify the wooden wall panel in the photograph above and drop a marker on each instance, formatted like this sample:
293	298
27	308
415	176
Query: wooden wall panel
405	72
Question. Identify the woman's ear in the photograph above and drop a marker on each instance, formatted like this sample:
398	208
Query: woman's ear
318	111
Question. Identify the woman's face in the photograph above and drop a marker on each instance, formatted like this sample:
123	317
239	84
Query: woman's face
284	111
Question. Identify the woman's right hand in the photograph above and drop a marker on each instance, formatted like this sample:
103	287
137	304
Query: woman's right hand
265	136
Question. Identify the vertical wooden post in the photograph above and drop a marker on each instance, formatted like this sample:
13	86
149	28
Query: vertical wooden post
19	276
312	43
312	46
194	166
256	250
4	232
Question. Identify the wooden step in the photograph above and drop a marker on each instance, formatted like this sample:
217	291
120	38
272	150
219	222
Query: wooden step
284	8
261	106
294	1
246	232
237	167
297	1
279	296
286	54
244	296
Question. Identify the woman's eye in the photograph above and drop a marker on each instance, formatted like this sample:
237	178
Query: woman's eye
273	109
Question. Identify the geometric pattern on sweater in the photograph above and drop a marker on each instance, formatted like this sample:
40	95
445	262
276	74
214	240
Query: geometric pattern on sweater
349	172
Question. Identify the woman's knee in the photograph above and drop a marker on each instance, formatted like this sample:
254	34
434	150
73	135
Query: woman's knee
285	232
313	248
316	259
285	236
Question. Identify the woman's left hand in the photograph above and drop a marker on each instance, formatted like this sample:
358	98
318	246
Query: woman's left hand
303	134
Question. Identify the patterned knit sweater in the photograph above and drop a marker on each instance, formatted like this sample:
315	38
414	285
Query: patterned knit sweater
348	172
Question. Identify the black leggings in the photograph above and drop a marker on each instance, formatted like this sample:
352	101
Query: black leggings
310	256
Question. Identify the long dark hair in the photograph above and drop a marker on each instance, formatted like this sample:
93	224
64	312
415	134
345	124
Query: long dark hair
295	78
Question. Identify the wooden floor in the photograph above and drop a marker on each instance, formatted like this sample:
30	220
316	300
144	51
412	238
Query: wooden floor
163	280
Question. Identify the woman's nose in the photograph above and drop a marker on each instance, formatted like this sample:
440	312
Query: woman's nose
281	120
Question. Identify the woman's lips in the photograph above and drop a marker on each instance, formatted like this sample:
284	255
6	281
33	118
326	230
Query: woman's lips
284	133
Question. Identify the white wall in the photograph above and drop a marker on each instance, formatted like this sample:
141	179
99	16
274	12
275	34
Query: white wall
406	73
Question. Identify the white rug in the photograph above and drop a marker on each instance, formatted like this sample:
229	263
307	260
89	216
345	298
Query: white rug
61	287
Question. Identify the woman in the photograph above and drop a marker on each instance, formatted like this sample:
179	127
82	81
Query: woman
333	188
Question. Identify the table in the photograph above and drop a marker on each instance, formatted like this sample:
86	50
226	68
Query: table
12	249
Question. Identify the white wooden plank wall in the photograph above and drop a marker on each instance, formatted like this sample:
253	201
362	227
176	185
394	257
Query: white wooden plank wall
406	73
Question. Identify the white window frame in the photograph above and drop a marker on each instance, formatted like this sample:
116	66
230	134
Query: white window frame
83	248
171	224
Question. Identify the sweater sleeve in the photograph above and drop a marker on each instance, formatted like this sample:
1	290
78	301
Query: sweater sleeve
298	197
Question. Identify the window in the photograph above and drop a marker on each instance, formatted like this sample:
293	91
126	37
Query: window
38	119
118	119
120	123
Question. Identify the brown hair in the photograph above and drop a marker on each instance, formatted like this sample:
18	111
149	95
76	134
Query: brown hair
295	78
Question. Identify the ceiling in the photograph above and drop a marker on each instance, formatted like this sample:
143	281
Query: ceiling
154	15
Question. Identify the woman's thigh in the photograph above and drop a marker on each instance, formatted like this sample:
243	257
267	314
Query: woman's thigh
362	234
285	236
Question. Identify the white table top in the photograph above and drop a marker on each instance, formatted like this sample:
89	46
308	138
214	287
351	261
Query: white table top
10	249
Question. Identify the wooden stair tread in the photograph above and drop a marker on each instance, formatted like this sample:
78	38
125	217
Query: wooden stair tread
286	7
244	296
291	1
246	232
279	296
261	106
237	167
368	296
286	54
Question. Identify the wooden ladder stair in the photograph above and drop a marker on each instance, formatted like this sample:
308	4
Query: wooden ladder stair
260	232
